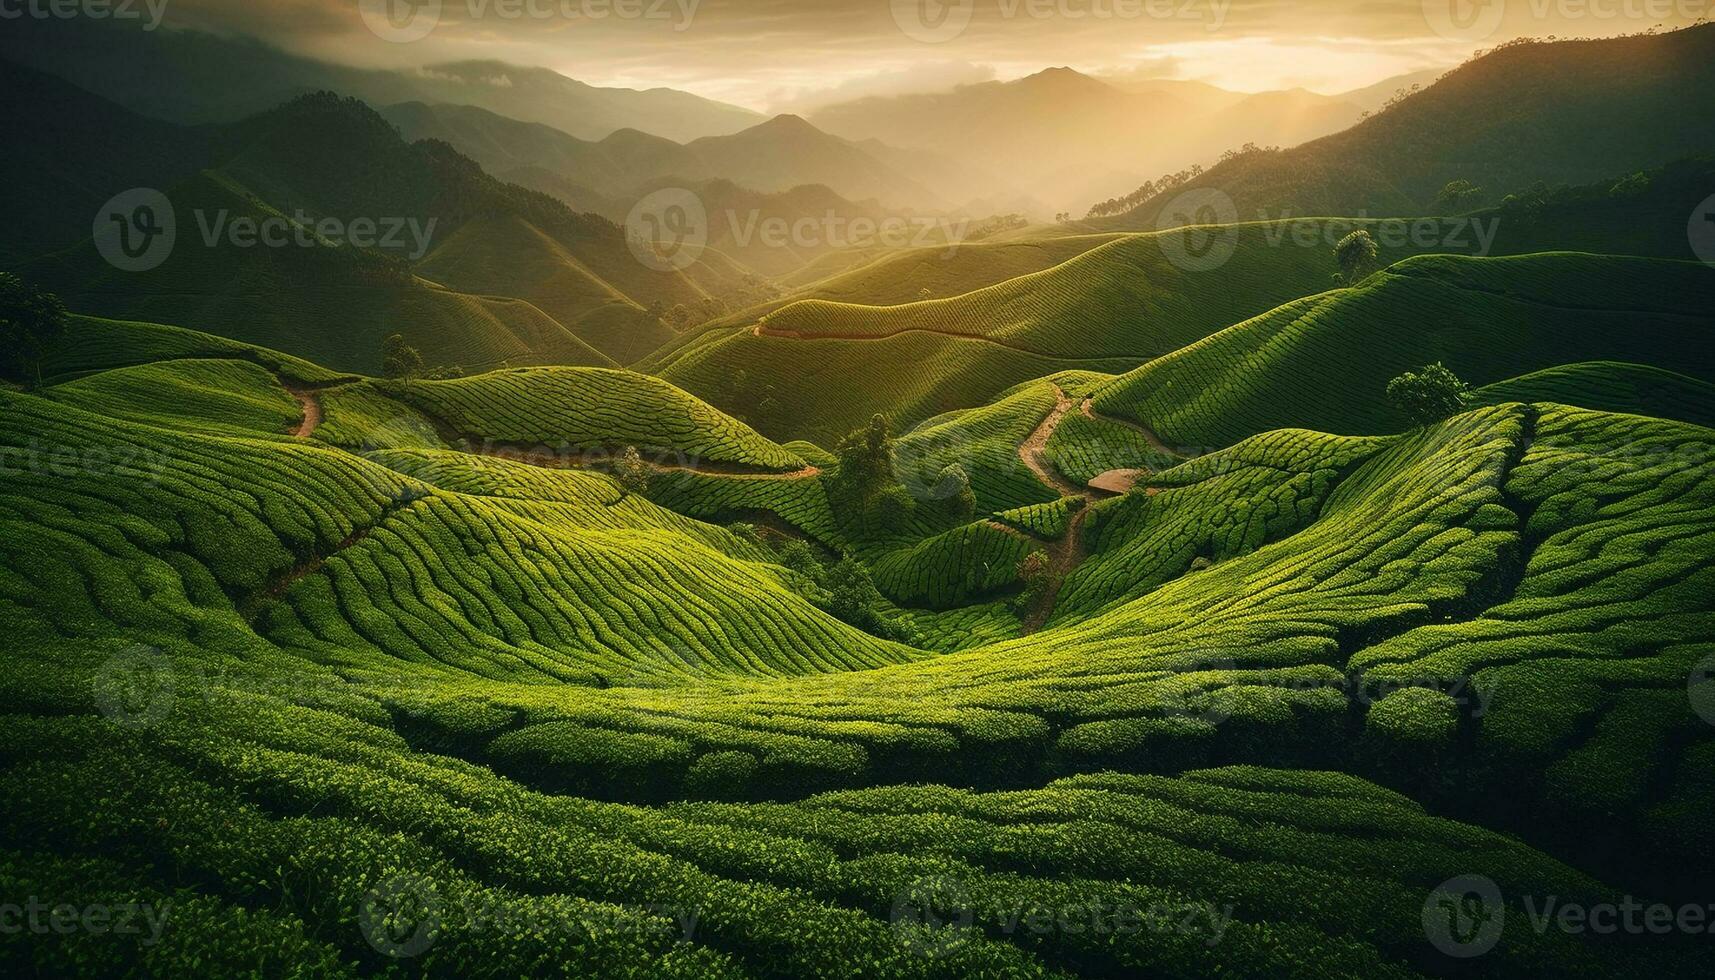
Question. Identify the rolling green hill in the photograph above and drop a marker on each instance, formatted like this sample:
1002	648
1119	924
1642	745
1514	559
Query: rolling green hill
820	362
341	635
509	276
1324	362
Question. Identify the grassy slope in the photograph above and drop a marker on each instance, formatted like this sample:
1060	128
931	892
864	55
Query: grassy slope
1113	306
1324	362
1635	389
1429	553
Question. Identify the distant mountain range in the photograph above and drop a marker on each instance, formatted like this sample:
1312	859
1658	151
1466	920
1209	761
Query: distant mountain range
1566	112
776	156
193	77
508	275
1071	139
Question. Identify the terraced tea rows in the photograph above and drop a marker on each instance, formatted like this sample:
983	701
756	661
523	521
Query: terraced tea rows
1324	363
591	409
378	653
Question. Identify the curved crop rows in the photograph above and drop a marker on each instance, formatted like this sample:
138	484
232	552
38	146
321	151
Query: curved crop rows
591	409
1324	362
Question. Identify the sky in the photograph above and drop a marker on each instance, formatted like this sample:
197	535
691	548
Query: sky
795	55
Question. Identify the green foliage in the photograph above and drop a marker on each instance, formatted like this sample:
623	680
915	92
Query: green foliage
1458	197
866	485
953	490
1036	573
32	321
631	473
1428	395
399	360
1356	256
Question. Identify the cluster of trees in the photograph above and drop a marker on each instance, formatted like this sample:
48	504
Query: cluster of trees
866	488
402	362
1458	196
845	589
995	225
32	320
867	491
1167	182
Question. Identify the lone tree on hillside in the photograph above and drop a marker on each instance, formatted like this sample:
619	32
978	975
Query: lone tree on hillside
1429	395
31	320
399	359
1356	254
953	489
631	472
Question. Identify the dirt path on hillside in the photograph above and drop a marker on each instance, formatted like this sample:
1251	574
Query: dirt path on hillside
310	402
1067	553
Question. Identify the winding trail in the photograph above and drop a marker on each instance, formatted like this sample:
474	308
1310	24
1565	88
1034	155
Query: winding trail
310	402
1067	553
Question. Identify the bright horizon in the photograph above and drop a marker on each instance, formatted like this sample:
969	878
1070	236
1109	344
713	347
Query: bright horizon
776	56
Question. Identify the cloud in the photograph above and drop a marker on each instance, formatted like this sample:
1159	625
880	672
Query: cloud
927	76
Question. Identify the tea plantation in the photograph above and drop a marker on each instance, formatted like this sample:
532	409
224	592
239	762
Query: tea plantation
342	676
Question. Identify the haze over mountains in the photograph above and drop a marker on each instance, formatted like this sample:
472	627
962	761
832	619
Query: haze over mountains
1559	113
195	77
1086	137
1053	141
